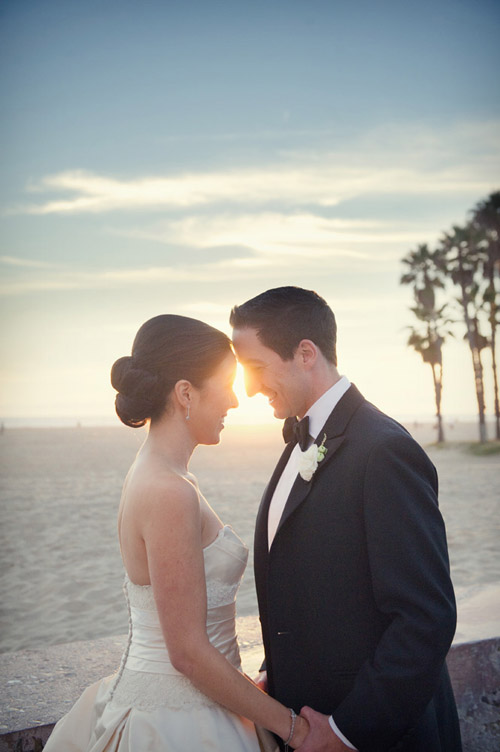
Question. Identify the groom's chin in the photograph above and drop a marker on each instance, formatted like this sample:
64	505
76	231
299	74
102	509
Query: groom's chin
279	414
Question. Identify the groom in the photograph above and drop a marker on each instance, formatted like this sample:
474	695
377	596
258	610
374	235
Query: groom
351	562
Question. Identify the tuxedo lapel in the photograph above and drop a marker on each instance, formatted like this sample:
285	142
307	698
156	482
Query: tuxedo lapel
334	430
301	488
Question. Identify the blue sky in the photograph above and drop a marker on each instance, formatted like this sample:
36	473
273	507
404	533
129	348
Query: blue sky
182	157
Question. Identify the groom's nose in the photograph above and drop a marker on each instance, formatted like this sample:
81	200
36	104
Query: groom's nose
252	383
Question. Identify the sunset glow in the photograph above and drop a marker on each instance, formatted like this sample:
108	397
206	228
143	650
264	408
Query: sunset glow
164	159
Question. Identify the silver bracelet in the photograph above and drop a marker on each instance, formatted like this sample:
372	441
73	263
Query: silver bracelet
293	717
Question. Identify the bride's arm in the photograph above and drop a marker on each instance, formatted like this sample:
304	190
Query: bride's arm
171	529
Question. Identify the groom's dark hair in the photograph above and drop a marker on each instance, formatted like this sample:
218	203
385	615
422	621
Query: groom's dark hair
284	316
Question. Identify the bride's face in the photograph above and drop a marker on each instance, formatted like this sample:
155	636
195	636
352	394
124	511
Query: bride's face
214	399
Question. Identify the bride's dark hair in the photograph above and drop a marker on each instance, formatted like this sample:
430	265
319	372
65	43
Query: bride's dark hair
166	349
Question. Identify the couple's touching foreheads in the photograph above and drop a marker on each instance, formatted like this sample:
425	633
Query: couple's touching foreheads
351	565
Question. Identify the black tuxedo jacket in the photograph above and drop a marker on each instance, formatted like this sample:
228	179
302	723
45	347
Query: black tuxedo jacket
355	598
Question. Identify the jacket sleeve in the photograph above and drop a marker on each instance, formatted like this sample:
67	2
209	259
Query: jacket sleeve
408	558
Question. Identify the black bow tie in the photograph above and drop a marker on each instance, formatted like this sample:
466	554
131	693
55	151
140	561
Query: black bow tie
297	430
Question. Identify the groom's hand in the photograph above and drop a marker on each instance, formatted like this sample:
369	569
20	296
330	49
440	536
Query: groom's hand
321	737
261	680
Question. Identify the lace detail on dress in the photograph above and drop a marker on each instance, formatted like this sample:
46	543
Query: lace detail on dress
220	593
140	596
152	691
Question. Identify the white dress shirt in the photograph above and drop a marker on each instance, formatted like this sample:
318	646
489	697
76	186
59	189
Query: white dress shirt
318	415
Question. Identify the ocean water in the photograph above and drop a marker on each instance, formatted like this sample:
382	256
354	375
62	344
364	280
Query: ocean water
60	568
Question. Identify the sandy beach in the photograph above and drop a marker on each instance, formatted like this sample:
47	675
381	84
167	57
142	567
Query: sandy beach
61	573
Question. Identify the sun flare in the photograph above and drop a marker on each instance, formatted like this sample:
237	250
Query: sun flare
251	410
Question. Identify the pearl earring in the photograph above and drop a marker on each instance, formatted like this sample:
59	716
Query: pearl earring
188	411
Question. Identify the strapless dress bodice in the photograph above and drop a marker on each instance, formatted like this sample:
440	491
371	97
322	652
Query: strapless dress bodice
147	676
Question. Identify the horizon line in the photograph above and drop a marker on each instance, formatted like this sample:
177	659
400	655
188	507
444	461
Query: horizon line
102	421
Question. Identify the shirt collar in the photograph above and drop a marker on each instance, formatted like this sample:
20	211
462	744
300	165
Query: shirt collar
320	411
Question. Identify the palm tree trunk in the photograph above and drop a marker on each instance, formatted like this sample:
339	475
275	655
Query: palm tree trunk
438	388
478	377
494	367
476	363
495	385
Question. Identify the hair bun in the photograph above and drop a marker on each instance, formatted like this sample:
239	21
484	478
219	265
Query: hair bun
130	379
139	392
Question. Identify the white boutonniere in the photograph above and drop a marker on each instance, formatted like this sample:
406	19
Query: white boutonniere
308	462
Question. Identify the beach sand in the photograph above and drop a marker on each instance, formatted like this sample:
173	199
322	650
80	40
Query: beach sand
61	573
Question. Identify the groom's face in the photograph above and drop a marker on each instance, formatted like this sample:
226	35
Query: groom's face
281	381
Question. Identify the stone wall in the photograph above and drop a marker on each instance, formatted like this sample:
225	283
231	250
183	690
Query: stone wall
39	686
475	673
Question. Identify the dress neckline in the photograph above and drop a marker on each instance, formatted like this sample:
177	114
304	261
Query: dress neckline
219	535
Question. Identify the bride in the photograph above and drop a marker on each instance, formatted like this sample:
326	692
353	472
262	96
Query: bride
179	687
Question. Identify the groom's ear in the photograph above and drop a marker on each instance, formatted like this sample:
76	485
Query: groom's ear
306	353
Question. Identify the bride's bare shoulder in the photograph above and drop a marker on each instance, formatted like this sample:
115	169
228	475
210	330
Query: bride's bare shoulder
155	487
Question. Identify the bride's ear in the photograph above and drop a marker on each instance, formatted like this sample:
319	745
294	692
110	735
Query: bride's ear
183	392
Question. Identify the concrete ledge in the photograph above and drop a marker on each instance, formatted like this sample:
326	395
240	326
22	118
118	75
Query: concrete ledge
39	686
475	674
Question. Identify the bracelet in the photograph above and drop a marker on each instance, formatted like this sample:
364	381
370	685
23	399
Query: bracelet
293	718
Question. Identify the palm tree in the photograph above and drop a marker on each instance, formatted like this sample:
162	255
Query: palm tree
430	346
486	217
461	256
425	275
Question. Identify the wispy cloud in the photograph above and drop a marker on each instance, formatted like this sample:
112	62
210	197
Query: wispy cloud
242	223
100	194
290	235
383	163
325	186
26	263
80	279
256	244
272	234
229	271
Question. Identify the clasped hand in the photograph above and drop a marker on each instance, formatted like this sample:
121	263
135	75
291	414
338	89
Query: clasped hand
321	737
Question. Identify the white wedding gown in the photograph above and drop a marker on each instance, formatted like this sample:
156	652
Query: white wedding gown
148	706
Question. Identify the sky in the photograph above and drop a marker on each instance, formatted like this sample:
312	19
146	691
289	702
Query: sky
167	157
